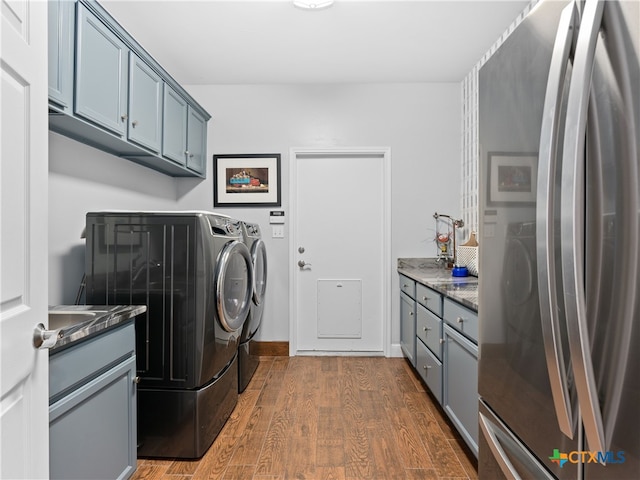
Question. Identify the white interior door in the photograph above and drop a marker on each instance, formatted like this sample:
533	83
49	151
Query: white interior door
339	243
24	383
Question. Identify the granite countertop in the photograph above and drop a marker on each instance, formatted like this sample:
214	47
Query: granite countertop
463	290
75	323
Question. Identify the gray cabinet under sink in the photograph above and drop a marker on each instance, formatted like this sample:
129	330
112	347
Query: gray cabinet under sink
92	406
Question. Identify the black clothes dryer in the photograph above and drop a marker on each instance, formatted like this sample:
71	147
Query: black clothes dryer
194	273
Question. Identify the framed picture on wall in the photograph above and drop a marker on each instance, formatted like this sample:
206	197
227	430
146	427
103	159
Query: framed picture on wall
248	180
512	178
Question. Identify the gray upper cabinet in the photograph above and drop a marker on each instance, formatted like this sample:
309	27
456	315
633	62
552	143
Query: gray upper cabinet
61	53
174	131
106	91
101	73
184	133
196	141
145	104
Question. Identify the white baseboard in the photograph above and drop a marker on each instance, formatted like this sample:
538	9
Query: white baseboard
396	350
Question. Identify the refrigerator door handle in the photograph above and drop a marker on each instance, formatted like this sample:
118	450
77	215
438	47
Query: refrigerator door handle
573	225
546	201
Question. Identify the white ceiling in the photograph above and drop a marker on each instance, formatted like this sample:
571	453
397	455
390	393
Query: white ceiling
271	41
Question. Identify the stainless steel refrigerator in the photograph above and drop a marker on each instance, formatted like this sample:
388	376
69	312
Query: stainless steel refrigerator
559	351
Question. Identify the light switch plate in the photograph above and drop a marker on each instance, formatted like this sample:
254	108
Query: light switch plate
277	231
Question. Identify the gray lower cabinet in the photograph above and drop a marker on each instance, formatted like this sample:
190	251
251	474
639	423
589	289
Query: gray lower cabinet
101	73
460	389
92	407
145	104
408	327
439	337
430	369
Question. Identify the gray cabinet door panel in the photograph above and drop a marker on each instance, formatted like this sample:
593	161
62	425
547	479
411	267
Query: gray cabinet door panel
429	298
461	385
408	286
174	126
461	318
101	73
196	141
408	327
429	330
430	369
90	430
145	104
61	25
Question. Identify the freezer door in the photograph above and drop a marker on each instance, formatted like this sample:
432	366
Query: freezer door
510	459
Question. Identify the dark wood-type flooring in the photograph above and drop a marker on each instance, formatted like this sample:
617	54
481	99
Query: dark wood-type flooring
342	418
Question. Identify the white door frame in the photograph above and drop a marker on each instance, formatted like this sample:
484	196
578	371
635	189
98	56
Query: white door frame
294	153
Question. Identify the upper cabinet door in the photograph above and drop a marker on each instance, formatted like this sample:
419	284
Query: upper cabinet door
174	138
145	104
196	142
61	24
101	74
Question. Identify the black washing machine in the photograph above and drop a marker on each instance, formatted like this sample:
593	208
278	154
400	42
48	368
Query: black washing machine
247	363
194	273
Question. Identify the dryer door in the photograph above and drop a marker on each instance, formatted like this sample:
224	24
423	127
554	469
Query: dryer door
259	257
233	285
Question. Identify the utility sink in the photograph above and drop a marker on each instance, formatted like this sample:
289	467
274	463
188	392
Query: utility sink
77	322
70	319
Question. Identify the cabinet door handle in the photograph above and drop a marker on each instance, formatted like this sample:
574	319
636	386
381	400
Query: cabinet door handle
136	380
426	329
425	299
459	319
411	314
134	123
124	117
442	341
426	367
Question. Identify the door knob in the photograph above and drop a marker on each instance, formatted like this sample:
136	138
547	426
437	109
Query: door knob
302	264
43	338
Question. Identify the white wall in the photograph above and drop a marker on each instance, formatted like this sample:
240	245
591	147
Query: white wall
420	122
83	179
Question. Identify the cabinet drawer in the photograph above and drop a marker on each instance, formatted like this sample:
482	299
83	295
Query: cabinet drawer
461	318
429	298
429	330
430	369
408	286
89	359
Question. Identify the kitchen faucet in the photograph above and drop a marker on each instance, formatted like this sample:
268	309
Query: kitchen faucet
443	239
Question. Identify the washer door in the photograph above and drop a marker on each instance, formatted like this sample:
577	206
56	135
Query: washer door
259	258
233	284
